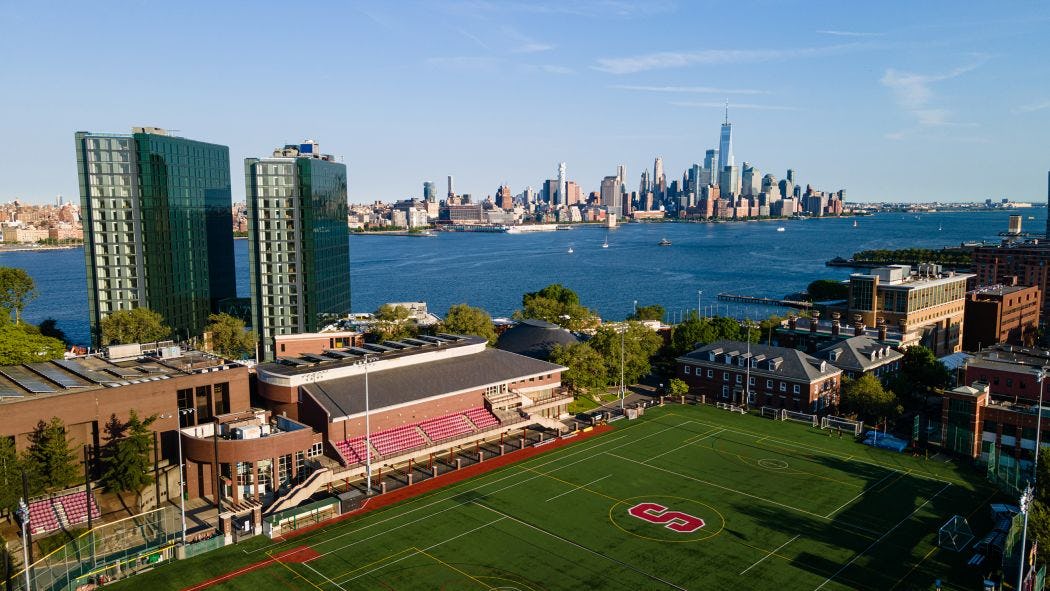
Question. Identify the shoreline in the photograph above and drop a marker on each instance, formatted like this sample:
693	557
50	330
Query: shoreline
31	248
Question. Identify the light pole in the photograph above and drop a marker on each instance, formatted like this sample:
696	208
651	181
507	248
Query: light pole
368	433
623	393
23	513
182	476
1026	496
699	293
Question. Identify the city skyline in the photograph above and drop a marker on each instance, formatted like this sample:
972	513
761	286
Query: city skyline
890	105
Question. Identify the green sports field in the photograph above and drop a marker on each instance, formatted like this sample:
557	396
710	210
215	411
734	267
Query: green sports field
783	506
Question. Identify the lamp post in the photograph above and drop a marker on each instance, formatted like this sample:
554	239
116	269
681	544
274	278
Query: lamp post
623	393
182	476
1026	496
699	293
23	514
368	433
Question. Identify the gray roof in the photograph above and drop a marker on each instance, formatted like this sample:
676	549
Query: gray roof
534	338
794	364
389	387
861	353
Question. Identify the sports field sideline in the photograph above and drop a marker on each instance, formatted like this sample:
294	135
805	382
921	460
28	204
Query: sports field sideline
686	497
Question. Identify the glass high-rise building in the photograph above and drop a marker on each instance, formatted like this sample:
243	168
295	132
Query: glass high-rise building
157	226
299	246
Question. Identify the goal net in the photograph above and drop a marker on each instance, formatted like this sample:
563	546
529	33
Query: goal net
776	414
802	417
955	534
855	427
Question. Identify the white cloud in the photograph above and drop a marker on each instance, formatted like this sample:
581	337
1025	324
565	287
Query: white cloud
713	104
534	47
1032	107
706	57
689	89
555	69
915	94
849	33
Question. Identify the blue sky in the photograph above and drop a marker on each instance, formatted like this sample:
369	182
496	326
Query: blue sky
890	101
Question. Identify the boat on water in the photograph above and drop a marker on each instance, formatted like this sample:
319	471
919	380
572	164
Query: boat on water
780	228
563	227
855	224
570	250
664	242
606	243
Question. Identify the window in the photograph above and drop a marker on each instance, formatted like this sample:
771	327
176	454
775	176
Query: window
725	376
769	384
685	370
795	389
725	391
222	397
739	379
751	381
315	450
783	387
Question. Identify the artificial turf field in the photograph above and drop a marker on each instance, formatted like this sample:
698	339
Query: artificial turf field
783	505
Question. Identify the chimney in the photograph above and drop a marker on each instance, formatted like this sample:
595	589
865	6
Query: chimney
858	329
792	322
882	331
835	328
813	321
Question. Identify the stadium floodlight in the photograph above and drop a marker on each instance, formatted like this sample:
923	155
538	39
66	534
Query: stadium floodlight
1026	496
23	514
368	432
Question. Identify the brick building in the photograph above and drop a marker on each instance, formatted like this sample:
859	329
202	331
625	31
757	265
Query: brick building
861	355
1010	372
777	376
1002	314
1029	262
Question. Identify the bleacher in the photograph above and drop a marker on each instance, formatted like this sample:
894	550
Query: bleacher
391	442
50	514
482	418
446	427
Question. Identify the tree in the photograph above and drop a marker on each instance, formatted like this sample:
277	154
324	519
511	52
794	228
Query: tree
49	328
10	475
23	343
866	398
653	312
1039	509
827	289
920	375
464	319
587	370
391	313
50	460
125	457
138	325
16	290
695	330
392	323
556	304
639	345
229	337
677	387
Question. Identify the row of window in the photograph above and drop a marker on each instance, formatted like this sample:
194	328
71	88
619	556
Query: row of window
739	379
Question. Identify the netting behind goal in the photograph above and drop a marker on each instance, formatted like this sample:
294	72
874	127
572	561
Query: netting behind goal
854	427
802	417
777	414
955	535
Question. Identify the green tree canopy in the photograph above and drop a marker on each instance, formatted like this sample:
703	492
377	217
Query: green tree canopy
392	313
125	456
138	325
920	375
23	343
16	290
677	387
866	398
587	370
639	345
229	337
464	319
827	289
50	460
10	475
1039	510
653	312
392	323
695	330
556	304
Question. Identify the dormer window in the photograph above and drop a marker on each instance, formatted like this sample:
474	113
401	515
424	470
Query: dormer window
823	366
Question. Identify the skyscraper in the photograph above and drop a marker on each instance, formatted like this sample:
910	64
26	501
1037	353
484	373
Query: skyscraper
298	249
610	191
659	180
725	144
644	186
451	188
429	195
504	198
563	197
1048	203
157	230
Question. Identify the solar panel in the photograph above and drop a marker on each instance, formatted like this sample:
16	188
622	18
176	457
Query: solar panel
58	376
378	348
292	361
124	372
314	358
27	379
77	367
339	354
9	392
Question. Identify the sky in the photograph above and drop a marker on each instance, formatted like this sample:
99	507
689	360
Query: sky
895	101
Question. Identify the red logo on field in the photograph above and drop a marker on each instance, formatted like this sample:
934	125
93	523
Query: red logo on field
672	520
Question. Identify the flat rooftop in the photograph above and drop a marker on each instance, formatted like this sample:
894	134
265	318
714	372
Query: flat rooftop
347	356
345	396
89	372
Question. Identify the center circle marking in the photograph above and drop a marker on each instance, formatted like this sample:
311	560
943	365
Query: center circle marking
771	464
714	521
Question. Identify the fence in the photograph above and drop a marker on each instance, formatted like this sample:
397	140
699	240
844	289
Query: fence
297	517
196	548
110	550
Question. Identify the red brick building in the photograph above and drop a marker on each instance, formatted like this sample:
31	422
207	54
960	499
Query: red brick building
777	376
1010	372
1001	314
1029	262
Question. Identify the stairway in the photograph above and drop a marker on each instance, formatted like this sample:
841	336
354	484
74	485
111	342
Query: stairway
300	492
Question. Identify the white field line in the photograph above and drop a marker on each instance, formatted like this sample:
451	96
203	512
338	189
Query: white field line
860	494
823	451
770	553
417	550
882	537
584	548
520	471
739	492
337	585
705	434
577	487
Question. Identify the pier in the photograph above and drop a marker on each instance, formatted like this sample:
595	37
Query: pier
745	299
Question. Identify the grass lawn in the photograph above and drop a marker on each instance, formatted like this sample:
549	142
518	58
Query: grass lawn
581	404
782	505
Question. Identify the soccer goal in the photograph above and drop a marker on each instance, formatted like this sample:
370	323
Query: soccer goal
777	414
855	427
955	534
802	417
